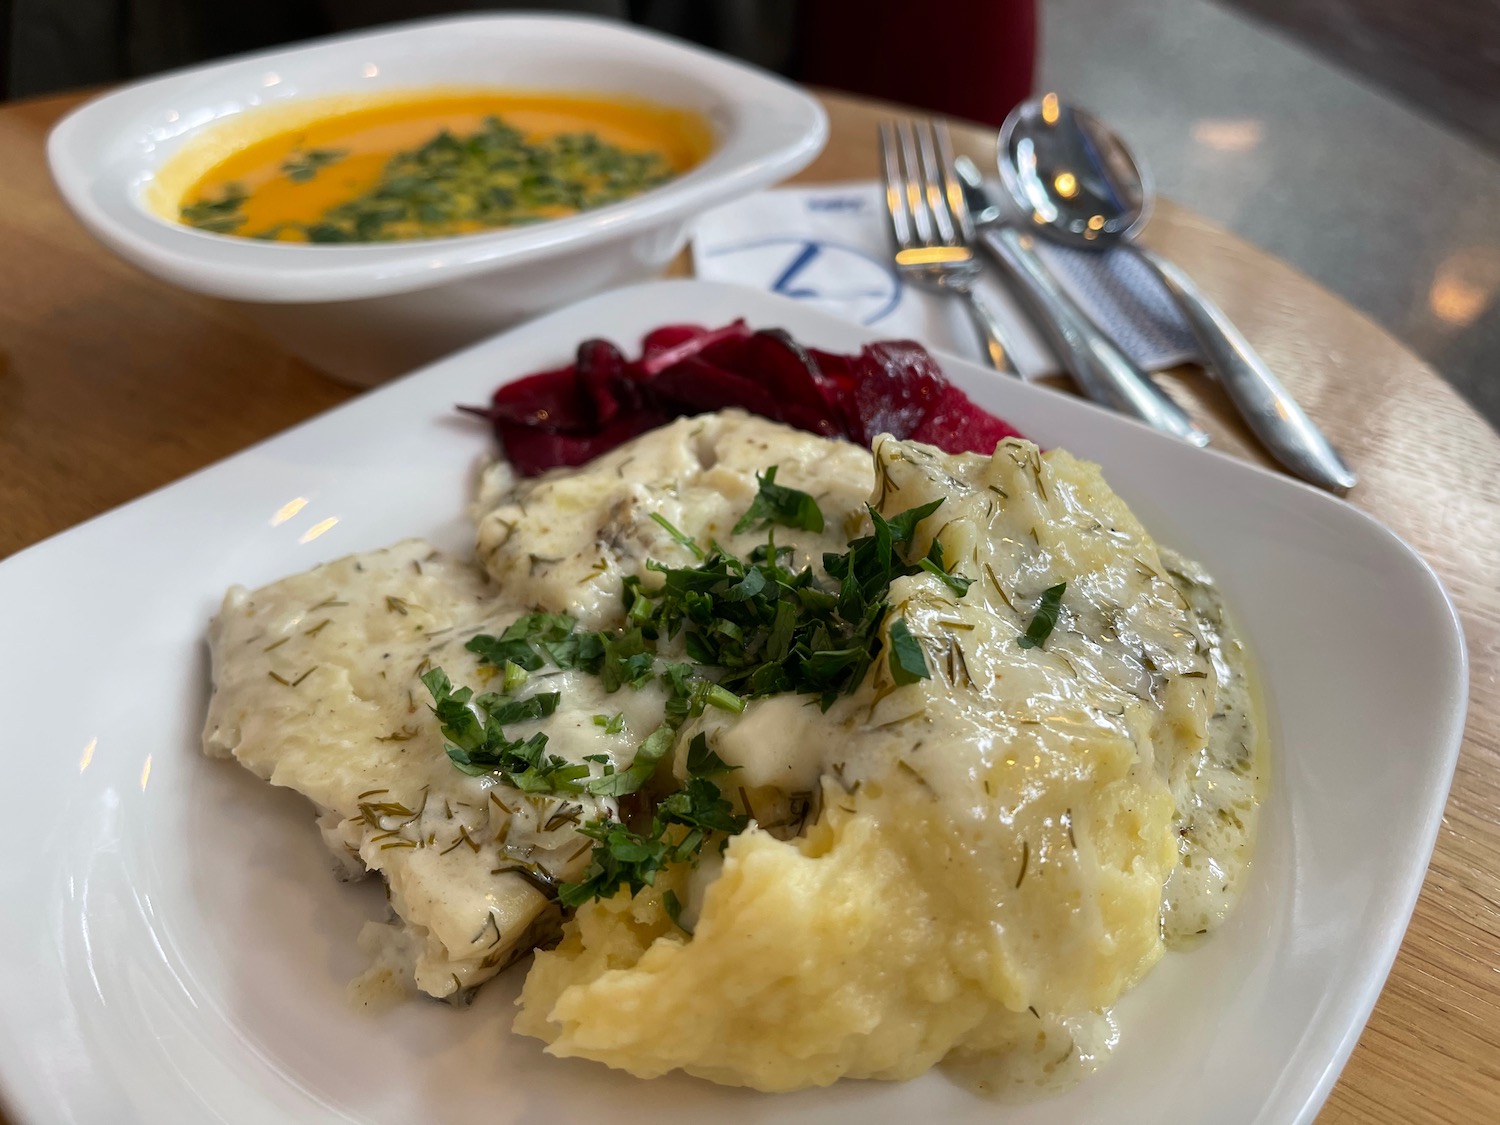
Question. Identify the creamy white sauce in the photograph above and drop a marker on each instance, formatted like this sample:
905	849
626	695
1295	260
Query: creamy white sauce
1219	788
317	684
317	689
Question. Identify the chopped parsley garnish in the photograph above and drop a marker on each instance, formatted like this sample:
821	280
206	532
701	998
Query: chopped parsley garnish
477	743
684	540
767	628
626	660
512	676
673	906
621	858
575	650
641	769
524	643
703	761
777	504
907	662
473	726
683	822
751	627
933	565
1045	618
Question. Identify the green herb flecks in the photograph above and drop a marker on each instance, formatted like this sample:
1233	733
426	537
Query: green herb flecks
776	504
683	540
477	744
682	823
766	628
512	676
933	565
750	627
625	658
673	906
703	761
304	164
908	665
532	639
640	770
220	216
1045	618
458	183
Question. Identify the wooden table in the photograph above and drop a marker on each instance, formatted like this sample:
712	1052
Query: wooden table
112	384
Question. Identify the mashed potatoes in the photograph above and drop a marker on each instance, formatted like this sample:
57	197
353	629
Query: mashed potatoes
970	866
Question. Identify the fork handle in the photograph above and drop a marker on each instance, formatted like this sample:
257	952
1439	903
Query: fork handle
1105	373
991	334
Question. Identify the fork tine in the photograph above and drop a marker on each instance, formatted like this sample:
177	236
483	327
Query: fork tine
957	204
932	185
895	189
915	201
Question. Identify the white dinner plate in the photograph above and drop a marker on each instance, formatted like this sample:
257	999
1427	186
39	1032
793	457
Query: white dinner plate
173	948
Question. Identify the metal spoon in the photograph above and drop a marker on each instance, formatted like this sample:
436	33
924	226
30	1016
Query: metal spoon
1080	185
1100	368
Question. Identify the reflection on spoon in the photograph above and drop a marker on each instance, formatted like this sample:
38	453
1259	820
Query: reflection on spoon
1079	185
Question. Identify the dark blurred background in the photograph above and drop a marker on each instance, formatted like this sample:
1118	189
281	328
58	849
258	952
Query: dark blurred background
854	45
57	44
1442	55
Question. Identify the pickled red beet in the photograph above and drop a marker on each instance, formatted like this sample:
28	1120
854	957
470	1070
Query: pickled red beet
673	343
573	414
603	387
956	425
896	385
790	374
532	450
697	387
547	401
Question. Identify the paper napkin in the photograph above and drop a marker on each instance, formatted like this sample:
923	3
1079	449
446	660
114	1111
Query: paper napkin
830	246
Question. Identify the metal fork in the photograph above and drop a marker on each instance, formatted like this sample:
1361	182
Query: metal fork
931	224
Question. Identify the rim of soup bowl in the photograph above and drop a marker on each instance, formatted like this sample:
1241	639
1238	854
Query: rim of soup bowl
105	154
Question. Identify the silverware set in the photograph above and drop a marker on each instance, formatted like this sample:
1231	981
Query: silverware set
1072	181
931	223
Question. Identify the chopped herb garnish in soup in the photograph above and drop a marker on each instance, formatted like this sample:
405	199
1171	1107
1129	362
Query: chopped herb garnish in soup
438	166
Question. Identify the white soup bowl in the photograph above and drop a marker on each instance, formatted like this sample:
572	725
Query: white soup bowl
367	312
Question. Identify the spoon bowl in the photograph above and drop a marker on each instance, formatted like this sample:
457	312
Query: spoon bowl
1075	182
1070	175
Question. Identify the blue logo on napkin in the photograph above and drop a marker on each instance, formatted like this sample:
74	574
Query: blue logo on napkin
835	276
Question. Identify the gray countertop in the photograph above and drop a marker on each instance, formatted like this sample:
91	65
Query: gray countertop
1384	206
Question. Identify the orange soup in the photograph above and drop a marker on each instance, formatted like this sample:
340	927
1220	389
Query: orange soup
438	165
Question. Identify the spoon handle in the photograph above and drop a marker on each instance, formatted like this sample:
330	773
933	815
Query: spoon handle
1103	371
1270	412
